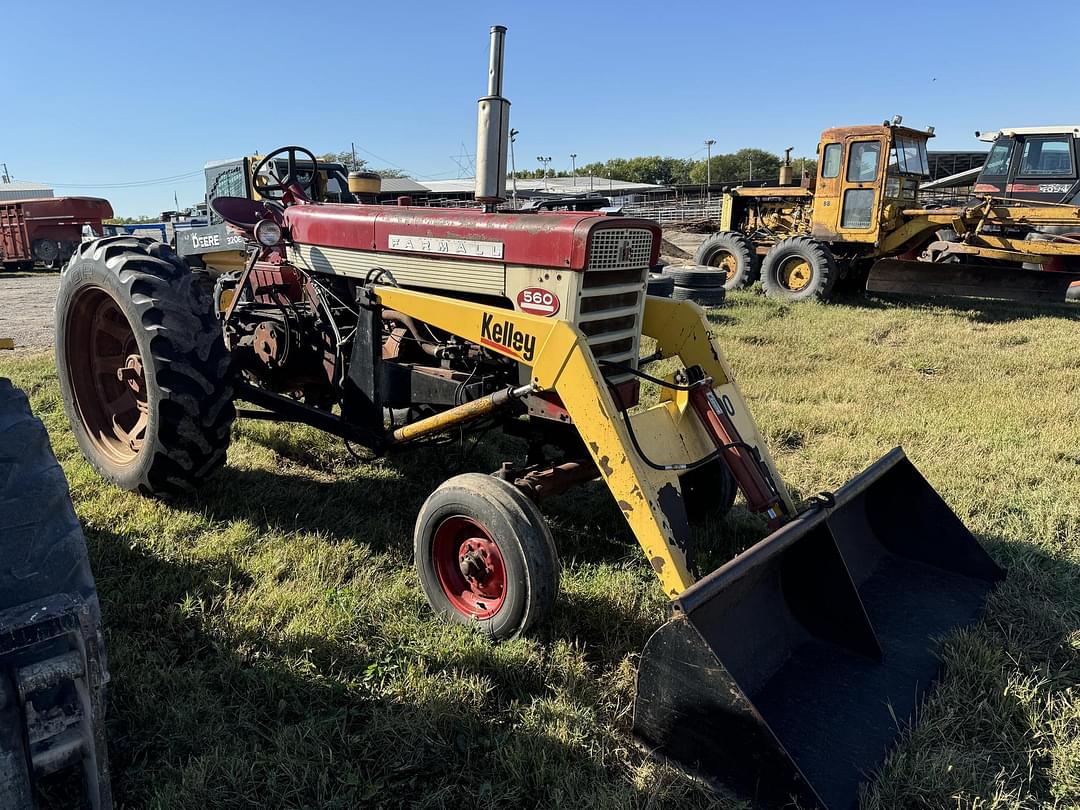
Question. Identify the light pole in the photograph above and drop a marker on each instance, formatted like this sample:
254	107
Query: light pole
573	166
544	162
708	168
751	159
513	165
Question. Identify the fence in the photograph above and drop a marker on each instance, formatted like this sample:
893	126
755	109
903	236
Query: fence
674	212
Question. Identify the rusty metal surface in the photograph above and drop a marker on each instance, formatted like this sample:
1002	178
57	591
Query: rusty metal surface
557	239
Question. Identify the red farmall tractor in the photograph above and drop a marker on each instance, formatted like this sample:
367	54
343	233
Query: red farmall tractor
346	316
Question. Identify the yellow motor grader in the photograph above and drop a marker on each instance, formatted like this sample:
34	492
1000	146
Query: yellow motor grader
861	213
782	674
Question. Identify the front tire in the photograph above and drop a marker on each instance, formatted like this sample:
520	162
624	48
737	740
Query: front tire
732	254
485	556
799	269
708	492
144	372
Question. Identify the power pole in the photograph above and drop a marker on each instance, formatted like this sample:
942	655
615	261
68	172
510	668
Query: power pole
708	168
353	167
751	159
513	165
573	166
544	162
7	177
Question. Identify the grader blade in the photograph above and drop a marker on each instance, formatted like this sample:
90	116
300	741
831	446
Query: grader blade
1040	287
784	674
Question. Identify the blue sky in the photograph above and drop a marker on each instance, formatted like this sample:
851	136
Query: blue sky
137	91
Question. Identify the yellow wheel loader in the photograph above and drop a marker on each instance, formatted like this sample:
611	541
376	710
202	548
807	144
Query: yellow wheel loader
781	675
860	218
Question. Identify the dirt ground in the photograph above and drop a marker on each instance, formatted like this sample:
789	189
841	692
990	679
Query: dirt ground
26	309
687	242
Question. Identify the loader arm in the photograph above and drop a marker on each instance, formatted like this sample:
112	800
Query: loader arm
669	432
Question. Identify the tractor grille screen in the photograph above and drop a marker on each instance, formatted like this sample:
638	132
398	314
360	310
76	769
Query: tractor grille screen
612	300
616	248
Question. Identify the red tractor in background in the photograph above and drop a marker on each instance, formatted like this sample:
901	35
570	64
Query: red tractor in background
47	230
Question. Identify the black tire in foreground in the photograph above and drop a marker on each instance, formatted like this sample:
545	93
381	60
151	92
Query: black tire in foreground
485	556
695	275
732	254
706	296
708	491
52	653
799	269
144	372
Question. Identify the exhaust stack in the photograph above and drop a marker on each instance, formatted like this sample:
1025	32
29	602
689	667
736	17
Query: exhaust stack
492	128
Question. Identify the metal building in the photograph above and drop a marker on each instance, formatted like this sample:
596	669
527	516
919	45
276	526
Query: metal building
21	190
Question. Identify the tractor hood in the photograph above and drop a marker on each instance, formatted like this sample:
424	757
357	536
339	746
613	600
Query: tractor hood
554	239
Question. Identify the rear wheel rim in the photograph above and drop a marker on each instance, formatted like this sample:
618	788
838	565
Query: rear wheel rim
107	377
794	273
726	262
470	567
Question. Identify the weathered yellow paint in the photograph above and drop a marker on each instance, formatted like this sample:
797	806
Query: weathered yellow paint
681	330
561	361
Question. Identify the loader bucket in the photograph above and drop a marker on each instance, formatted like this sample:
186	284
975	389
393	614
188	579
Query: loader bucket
902	277
786	673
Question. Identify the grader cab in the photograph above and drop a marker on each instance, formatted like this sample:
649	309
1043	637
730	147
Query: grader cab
345	316
861	218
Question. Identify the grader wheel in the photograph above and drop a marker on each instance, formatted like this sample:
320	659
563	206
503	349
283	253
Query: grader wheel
799	269
732	254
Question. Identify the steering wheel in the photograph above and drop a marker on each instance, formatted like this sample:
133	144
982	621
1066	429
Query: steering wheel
292	178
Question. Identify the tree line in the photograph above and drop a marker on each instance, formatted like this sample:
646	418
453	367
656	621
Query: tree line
352	163
735	167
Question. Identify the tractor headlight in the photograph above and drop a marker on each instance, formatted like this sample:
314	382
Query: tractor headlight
267	233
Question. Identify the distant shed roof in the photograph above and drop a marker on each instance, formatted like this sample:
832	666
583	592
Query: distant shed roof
23	190
402	185
560	185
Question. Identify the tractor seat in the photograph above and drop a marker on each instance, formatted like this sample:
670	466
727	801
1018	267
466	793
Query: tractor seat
240	211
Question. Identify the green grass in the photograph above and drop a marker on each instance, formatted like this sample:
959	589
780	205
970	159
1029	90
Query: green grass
269	644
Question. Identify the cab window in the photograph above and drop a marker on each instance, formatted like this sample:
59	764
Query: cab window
1046	157
997	162
863	161
226	180
830	161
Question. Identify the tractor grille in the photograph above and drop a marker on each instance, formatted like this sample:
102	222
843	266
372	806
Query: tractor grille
612	298
620	248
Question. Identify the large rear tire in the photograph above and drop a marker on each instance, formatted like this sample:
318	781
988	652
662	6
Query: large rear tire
733	254
799	269
144	372
485	556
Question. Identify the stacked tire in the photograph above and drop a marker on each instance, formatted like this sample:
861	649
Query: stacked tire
659	285
698	283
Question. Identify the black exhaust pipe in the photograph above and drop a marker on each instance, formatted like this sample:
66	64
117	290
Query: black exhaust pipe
784	673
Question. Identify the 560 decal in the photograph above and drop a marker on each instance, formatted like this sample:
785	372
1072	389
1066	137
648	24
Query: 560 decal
538	301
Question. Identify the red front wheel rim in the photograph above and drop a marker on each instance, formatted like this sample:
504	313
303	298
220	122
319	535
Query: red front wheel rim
470	567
